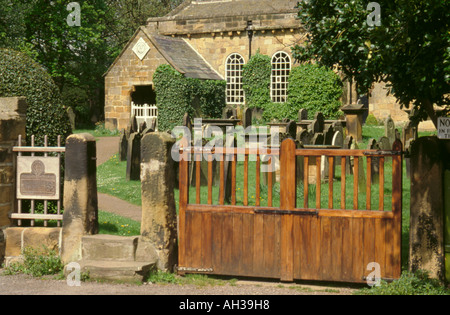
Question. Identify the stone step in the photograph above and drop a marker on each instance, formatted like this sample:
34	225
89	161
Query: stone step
124	271
109	247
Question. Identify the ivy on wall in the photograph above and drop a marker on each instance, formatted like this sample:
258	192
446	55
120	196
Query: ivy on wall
256	81
177	95
310	86
315	88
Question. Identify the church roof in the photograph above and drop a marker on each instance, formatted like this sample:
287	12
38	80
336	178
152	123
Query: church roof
184	58
198	9
179	54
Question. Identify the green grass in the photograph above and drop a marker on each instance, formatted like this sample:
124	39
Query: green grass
98	130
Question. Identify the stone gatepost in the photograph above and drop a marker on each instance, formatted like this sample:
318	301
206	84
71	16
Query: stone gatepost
426	241
159	220
80	195
12	124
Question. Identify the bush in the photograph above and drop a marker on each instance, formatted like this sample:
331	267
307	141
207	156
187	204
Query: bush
46	115
78	100
417	283
177	95
256	82
37	263
316	89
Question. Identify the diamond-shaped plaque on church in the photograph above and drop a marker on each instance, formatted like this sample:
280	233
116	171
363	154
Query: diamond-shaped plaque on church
141	48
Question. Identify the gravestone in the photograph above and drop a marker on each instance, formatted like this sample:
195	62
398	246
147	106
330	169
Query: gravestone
384	144
328	135
317	139
72	117
123	145
375	164
348	142
291	129
320	120
302	114
133	124
389	130
338	141
134	157
315	127
409	132
304	137
247	118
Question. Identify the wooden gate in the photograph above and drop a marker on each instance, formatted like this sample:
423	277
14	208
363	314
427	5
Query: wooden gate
321	231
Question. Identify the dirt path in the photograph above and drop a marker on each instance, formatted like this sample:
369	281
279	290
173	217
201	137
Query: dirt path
107	147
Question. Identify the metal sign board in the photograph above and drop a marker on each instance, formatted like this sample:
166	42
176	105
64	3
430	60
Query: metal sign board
443	128
38	178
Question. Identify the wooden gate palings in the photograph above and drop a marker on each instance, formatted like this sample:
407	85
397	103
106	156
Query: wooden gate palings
290	242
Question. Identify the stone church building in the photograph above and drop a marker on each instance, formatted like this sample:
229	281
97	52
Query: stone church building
212	39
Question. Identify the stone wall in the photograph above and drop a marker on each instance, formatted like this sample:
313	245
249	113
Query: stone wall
215	48
12	124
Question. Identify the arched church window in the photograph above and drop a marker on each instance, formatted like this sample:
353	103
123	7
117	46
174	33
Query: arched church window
235	93
281	67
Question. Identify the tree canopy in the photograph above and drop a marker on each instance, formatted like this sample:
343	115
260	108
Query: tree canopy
76	56
407	46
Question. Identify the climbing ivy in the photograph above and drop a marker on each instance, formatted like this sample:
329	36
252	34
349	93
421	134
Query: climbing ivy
177	95
256	81
315	88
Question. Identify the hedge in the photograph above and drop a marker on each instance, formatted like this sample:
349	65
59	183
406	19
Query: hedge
46	115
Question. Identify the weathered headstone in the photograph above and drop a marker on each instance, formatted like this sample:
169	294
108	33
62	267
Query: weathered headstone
291	129
247	118
389	126
304	137
328	135
320	120
123	145
348	142
133	124
159	220
133	157
375	163
338	141
384	144
302	114
72	117
317	139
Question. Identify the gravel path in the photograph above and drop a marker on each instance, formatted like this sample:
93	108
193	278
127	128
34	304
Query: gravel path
27	285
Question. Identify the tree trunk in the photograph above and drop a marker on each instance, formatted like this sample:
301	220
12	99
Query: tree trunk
429	109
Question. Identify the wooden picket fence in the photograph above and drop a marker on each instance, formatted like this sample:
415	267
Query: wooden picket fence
292	241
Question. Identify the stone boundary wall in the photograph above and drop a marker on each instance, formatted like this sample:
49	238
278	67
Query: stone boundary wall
19	238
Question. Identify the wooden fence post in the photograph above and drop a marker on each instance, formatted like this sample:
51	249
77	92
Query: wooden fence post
287	202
